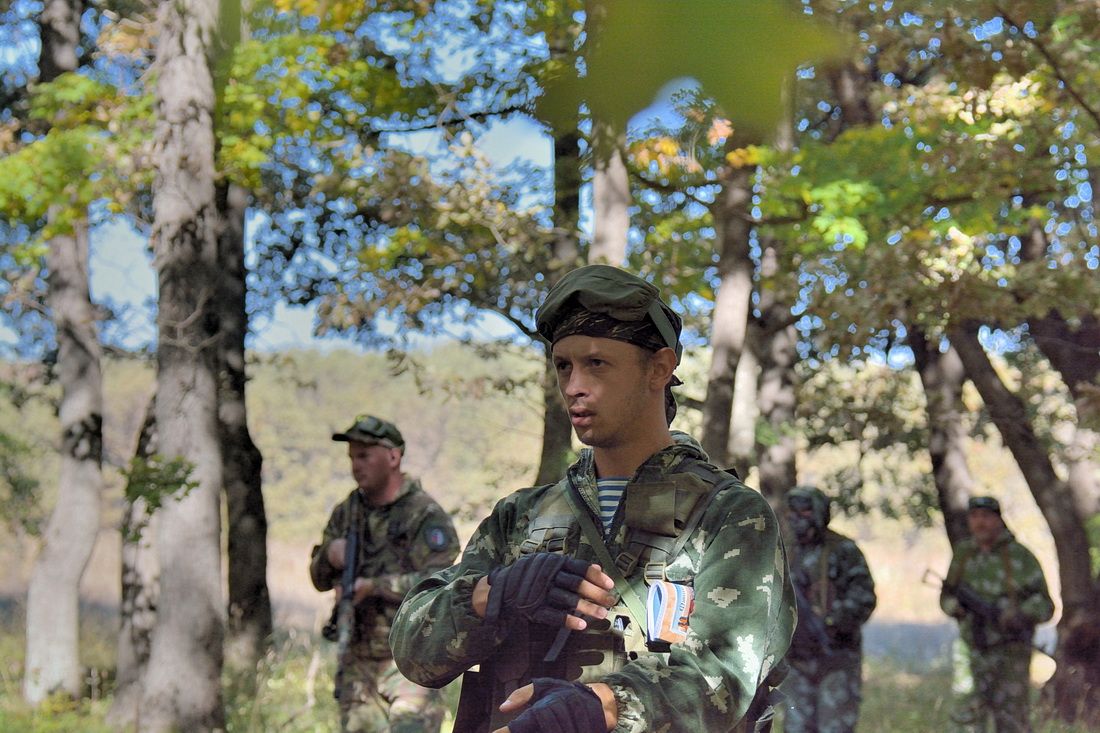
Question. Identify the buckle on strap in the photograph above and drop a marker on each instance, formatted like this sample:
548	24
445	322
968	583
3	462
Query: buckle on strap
626	562
654	571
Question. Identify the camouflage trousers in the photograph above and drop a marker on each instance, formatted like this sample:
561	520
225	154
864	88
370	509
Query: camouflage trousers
991	685
823	695
375	698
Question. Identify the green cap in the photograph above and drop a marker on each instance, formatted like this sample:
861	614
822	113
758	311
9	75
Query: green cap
984	502
615	295
372	431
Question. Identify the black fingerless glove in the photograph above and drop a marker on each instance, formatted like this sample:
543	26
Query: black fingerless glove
541	587
558	706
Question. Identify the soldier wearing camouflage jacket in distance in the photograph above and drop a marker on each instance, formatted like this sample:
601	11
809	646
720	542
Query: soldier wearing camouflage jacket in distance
997	592
833	579
403	536
559	643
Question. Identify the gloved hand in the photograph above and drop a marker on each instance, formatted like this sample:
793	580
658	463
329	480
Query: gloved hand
540	587
558	706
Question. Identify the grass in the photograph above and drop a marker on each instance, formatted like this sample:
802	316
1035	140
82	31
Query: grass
290	690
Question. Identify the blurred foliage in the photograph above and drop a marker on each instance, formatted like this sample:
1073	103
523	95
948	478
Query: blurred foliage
152	481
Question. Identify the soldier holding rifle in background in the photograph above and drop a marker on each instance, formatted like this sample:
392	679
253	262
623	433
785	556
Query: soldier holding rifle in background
835	596
997	591
379	542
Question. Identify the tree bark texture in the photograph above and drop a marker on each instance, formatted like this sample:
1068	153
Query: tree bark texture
943	376
557	430
249	612
182	689
742	445
1075	686
776	339
52	662
731	307
138	605
611	201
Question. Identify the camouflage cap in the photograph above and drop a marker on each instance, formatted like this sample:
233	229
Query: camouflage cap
372	431
984	502
626	308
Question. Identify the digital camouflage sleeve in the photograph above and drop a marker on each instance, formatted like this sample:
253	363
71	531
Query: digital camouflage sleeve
740	628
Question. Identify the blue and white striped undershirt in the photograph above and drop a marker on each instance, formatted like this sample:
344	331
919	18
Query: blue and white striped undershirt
611	493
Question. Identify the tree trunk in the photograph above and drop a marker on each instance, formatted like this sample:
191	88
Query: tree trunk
249	612
557	430
138	607
742	445
943	376
610	202
52	662
731	307
182	689
1074	687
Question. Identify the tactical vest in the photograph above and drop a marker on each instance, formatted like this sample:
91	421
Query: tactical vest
655	516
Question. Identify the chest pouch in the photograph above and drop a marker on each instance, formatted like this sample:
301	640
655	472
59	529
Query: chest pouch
547	533
656	514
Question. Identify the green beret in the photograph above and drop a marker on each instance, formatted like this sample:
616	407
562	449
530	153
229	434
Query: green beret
605	301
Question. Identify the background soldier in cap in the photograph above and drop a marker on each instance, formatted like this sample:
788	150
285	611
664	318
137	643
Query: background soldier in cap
401	535
996	590
645	591
836	596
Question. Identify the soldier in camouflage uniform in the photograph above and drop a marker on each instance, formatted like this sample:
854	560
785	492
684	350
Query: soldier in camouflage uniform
552	599
997	591
403	536
836	596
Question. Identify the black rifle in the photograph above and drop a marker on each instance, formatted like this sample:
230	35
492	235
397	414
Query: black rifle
982	612
344	612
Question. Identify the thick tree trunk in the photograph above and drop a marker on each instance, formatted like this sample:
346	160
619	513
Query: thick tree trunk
557	430
776	338
943	376
610	204
138	607
52	662
249	612
731	307
182	686
742	445
1074	687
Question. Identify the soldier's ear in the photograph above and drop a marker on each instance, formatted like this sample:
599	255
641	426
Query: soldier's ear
661	366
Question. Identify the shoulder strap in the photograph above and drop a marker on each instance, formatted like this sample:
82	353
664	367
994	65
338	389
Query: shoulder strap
634	604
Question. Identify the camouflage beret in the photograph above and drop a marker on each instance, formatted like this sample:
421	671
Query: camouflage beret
627	306
372	431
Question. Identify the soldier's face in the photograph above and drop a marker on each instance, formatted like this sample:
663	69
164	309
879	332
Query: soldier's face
371	466
984	525
606	389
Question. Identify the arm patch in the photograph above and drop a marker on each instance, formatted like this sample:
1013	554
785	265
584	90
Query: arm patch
435	536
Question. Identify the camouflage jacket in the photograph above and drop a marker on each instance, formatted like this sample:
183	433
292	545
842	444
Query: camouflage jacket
840	587
735	561
1008	576
400	544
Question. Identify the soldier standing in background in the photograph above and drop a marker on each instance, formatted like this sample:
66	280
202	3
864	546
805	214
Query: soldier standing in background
997	592
401	535
645	591
836	596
